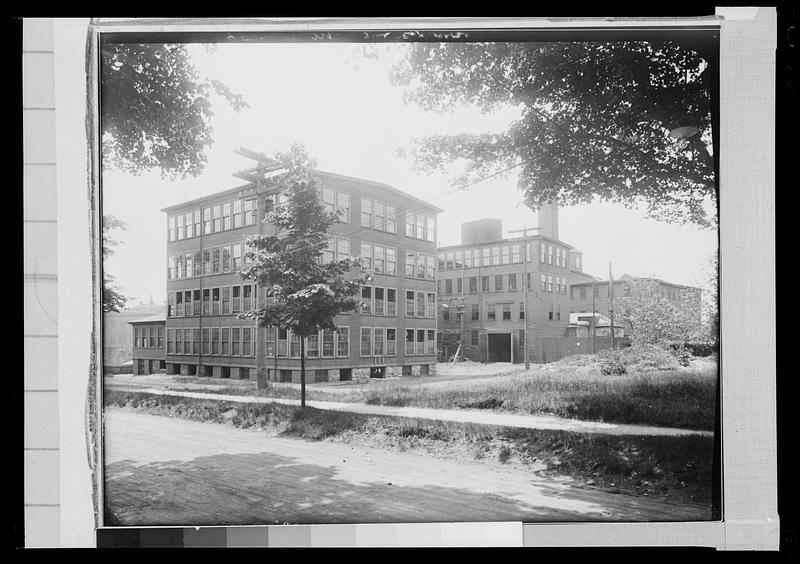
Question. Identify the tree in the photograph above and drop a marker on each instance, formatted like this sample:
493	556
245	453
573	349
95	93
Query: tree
594	120
303	292
156	109
113	300
654	319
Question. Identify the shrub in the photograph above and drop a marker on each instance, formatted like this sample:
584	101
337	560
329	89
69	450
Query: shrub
504	454
612	362
649	357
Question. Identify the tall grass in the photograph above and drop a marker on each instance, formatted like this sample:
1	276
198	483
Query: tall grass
674	399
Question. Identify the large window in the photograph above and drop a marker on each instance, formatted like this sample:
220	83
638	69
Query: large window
430	310
473	284
498	283
506	312
391	301
484	283
366	341
170	267
247	341
391	342
171	227
342	341
380	301
366	300
378	341
250	211
475	312
236	341
409	303
366	213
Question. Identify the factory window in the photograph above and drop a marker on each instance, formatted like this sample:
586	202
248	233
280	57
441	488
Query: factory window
498	283
366	341
485	256
515	258
409	303
512	281
473	284
366	300
171	225
490	313
495	255
235	341
391	342
391	301
448	286
342	342
505	255
522	310
475	312
366	212
473	338
484	283
237	213
181	230
170	267
549	282
506	312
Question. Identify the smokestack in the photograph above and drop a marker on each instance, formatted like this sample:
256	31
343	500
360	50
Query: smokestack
548	220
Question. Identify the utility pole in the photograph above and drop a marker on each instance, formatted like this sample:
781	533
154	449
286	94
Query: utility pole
594	322
611	302
524	232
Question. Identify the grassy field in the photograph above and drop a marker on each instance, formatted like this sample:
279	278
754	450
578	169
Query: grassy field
681	398
675	468
572	388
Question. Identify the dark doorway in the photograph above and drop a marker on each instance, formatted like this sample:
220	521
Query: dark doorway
345	374
499	347
377	372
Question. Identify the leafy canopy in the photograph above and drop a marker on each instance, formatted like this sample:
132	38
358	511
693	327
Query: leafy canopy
304	293
113	299
655	319
156	109
594	120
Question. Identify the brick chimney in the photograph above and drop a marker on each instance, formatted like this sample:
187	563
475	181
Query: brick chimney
548	220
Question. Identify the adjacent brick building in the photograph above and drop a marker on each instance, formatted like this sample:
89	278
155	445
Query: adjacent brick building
597	295
393	334
482	279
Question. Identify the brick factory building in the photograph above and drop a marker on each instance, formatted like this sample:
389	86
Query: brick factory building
394	333
483	277
481	280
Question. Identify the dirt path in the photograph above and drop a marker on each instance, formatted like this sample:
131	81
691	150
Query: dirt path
459	415
164	471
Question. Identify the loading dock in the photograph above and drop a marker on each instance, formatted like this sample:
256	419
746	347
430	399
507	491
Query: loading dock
499	347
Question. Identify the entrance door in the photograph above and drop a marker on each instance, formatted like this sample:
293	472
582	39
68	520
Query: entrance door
499	347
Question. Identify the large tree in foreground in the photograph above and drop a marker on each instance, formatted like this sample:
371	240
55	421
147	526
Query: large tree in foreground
303	292
156	109
595	120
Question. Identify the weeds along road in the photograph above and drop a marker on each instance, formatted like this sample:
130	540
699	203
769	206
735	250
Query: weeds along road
165	471
481	417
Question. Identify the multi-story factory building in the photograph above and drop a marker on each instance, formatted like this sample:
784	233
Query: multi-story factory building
394	333
482	280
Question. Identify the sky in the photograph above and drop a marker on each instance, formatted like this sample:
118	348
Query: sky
342	107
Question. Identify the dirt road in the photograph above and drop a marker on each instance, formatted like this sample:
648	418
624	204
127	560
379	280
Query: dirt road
164	471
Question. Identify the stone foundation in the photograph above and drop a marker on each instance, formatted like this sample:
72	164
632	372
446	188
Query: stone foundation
235	375
216	372
360	374
185	370
170	369
394	371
